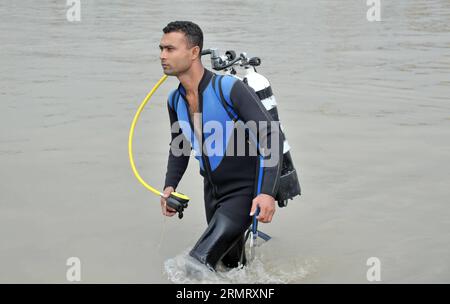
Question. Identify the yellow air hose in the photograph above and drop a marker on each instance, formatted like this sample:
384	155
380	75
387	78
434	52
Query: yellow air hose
130	145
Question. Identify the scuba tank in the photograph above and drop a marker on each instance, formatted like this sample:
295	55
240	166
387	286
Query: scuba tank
289	186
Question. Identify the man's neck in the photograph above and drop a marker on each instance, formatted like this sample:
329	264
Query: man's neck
191	79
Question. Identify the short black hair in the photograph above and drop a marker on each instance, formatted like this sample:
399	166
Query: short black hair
192	31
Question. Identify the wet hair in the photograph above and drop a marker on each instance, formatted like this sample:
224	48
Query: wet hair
191	30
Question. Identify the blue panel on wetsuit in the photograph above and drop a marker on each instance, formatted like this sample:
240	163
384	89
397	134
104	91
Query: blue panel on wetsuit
217	127
183	119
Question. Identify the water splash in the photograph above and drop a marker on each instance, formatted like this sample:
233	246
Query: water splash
263	269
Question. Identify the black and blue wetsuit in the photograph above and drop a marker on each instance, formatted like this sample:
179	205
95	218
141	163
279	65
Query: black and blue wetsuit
230	181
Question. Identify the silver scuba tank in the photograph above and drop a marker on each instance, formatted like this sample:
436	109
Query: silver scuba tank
289	186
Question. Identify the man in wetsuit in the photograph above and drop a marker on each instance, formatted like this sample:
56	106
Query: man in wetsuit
234	184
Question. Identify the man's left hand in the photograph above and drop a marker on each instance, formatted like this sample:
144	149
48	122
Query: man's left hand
266	204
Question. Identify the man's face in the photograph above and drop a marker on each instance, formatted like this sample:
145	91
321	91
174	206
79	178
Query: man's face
176	56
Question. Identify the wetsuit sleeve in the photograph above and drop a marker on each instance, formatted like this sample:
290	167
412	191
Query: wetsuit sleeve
248	107
176	165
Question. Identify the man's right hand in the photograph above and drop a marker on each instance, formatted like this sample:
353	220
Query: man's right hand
166	210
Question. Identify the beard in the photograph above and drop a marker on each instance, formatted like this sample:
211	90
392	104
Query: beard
169	71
